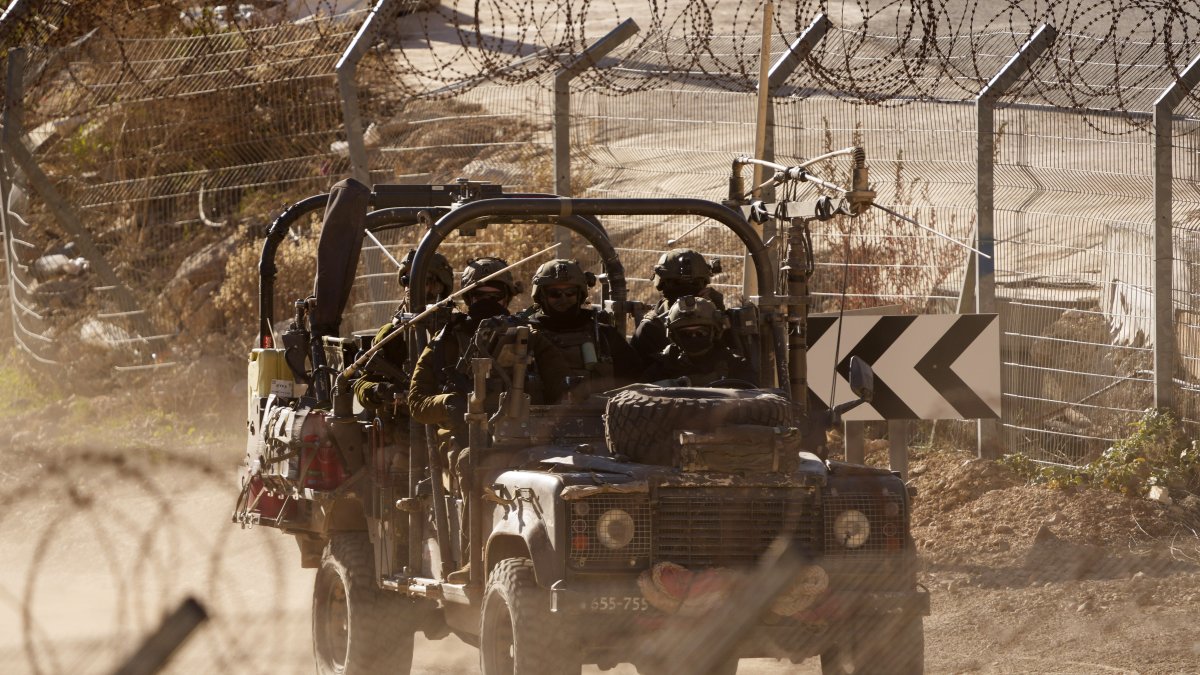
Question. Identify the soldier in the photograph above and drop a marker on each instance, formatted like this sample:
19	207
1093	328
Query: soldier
679	272
387	373
442	378
439	386
593	349
693	327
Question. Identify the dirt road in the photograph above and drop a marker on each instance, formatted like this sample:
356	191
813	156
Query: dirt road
98	545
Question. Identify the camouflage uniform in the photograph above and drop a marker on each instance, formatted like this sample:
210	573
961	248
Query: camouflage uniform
592	348
702	361
437	394
679	272
376	390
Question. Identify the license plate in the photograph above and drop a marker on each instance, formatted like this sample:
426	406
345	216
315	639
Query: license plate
616	603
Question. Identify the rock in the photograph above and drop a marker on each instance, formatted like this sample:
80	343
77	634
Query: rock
1085	606
204	266
1160	494
1140	576
1002	529
1054	518
50	267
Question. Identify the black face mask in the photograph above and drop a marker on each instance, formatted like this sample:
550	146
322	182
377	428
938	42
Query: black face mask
694	345
485	308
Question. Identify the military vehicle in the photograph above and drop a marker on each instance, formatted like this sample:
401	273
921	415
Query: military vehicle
676	528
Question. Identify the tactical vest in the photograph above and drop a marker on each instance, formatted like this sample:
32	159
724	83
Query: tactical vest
585	358
452	378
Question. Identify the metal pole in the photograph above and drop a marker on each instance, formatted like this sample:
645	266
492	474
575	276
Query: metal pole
346	69
12	120
985	187
854	435
562	115
769	81
360	165
898	447
762	120
1164	249
764	95
14	148
156	651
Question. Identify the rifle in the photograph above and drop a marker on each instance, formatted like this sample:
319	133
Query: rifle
448	302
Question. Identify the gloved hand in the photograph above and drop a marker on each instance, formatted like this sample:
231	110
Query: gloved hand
384	392
456	406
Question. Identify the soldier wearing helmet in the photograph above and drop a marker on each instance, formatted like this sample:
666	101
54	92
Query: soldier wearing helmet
385	379
694	326
442	378
439	386
679	272
593	349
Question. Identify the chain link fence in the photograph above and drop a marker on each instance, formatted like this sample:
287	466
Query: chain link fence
176	128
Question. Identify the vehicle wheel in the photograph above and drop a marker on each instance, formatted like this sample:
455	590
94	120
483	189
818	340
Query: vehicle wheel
357	628
896	646
642	423
516	633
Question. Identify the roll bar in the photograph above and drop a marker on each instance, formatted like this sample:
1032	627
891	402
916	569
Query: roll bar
574	213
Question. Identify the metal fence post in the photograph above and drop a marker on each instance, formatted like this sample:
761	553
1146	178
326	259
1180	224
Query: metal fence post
13	144
347	67
11	119
360	165
779	73
764	133
985	188
562	115
1164	249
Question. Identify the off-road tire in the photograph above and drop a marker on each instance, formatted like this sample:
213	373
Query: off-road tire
357	628
516	633
891	646
642	423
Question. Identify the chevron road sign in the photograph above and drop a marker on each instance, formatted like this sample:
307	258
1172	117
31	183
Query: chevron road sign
927	367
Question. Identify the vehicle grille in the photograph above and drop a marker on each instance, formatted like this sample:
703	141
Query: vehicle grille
587	551
885	513
728	527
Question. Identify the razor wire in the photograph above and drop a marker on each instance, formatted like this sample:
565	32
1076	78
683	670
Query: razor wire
173	125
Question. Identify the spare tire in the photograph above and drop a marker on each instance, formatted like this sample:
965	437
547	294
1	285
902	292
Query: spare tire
642	424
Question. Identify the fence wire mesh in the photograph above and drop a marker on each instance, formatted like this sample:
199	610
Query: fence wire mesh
179	128
175	131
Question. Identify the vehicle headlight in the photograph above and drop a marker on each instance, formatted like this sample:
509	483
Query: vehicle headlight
851	528
615	528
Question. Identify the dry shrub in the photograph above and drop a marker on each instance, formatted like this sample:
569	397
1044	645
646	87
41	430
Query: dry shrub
876	258
237	299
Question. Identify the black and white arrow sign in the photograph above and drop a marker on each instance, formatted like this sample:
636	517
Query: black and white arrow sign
927	367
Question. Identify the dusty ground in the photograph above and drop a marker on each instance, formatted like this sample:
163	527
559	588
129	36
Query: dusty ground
113	508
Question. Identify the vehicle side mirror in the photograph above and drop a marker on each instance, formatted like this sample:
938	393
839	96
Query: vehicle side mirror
862	378
862	383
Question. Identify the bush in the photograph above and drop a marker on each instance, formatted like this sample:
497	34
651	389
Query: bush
1158	452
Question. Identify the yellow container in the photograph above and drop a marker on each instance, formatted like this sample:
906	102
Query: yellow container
266	374
269	374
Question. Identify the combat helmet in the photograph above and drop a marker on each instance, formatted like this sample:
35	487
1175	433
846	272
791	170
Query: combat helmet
685	265
440	269
562	271
691	310
478	268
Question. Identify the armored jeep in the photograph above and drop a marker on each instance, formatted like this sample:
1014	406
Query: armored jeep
677	528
